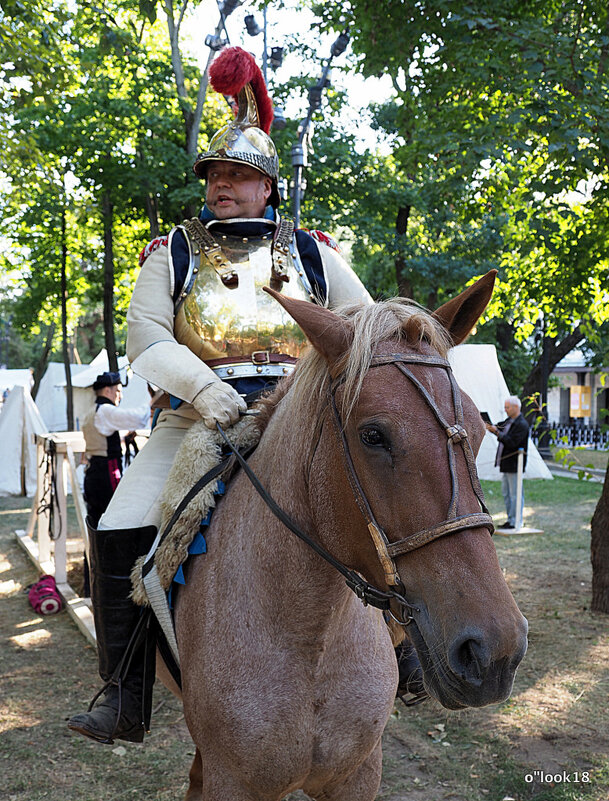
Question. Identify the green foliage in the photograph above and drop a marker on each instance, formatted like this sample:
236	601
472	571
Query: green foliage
498	126
502	108
112	131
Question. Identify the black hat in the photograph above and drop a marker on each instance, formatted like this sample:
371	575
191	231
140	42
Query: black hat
107	380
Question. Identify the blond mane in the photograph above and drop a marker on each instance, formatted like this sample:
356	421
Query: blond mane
395	319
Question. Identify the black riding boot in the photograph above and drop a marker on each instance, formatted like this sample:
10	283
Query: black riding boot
125	651
410	685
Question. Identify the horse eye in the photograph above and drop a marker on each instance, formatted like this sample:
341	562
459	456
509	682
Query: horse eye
372	437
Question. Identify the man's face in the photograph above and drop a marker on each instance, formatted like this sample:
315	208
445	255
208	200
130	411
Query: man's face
511	409
114	393
236	190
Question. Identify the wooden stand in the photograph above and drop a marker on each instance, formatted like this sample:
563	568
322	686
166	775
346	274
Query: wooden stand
48	551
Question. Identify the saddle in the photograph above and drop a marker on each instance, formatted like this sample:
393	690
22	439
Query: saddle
200	454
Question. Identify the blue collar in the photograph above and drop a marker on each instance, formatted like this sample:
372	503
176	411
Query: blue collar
207	216
262	227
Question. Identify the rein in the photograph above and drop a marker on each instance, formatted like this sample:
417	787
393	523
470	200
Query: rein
366	592
387	551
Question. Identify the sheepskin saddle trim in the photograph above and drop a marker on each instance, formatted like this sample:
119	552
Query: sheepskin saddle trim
200	452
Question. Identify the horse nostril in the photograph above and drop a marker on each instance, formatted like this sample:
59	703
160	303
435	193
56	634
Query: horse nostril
469	659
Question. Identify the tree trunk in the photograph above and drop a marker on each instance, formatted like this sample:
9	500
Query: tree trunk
599	551
152	209
107	212
192	108
64	323
191	112
41	364
405	288
555	351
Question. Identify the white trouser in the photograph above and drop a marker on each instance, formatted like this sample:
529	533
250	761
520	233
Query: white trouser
136	501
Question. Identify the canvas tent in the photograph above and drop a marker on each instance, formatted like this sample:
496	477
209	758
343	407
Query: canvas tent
135	391
13	378
19	421
51	395
478	373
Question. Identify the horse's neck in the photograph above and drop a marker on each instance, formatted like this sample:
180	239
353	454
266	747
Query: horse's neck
301	583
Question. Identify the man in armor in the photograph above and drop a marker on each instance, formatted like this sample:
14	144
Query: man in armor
201	329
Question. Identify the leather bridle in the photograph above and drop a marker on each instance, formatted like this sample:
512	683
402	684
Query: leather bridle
388	551
456	435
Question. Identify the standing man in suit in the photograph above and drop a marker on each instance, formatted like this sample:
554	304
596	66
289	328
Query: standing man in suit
512	434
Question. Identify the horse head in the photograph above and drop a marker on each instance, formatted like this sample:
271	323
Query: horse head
409	514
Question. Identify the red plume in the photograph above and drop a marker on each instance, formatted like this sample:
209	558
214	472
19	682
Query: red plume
229	73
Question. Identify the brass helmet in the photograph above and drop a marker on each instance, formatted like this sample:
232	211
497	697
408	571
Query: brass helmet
235	73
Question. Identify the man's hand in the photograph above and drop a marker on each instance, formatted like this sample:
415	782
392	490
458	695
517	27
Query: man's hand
219	403
493	429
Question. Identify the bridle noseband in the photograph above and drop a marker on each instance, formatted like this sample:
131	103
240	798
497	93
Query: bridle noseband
388	551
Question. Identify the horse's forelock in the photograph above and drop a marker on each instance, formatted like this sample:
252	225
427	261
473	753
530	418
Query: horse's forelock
397	319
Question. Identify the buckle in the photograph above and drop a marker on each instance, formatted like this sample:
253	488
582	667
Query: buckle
261	357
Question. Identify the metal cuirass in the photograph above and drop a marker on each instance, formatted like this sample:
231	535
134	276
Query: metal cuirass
238	321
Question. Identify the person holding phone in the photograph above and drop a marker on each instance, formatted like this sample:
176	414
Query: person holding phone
512	434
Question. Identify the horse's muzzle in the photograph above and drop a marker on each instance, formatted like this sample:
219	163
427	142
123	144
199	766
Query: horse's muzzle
471	670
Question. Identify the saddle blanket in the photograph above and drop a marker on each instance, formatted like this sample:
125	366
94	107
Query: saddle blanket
200	451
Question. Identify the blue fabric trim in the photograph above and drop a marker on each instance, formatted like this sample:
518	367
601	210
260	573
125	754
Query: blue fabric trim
174	402
180	258
155	417
245	386
198	545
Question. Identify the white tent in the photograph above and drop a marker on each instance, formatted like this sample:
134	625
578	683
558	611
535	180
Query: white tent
13	378
478	373
19	421
51	396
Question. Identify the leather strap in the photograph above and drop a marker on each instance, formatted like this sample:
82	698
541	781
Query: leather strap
222	467
211	250
366	592
421	538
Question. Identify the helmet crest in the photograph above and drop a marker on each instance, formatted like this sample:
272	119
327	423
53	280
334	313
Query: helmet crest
231	71
246	139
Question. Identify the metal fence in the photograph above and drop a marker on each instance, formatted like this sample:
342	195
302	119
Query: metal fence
576	435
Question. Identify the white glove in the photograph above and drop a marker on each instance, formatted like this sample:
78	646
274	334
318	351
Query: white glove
218	402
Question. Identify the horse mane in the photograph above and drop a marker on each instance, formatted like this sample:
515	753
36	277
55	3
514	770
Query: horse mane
397	319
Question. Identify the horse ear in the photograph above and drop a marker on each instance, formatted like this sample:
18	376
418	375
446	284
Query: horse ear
461	314
327	332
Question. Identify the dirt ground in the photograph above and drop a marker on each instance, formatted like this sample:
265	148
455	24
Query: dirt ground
548	742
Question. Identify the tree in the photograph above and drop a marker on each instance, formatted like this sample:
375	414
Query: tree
599	551
503	107
116	121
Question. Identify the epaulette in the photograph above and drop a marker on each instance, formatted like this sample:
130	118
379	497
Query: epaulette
321	236
152	246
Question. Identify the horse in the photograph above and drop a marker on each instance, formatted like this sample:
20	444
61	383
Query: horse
288	679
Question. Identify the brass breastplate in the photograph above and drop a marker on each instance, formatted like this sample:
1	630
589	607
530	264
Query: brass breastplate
216	321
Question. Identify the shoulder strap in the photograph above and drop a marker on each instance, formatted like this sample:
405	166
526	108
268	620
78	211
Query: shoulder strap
210	250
